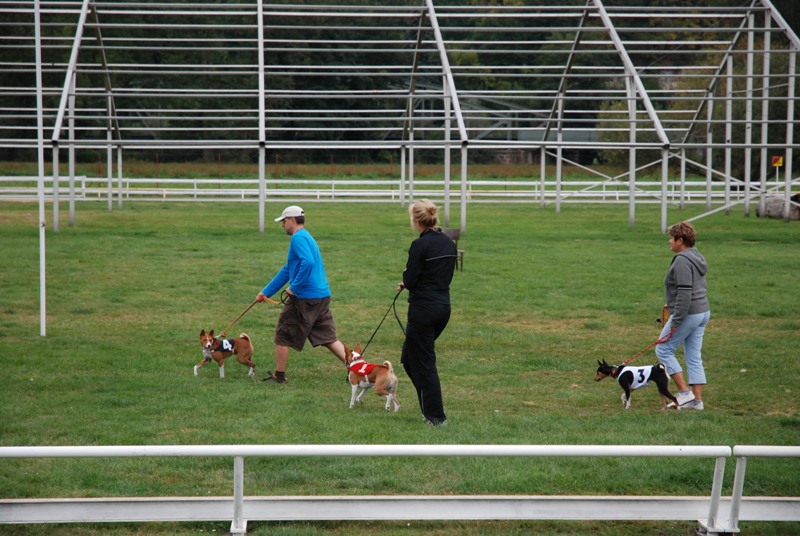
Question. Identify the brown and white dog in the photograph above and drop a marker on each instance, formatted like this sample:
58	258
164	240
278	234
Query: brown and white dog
365	376
221	349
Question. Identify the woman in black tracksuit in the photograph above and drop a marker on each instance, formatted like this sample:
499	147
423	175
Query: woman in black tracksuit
429	271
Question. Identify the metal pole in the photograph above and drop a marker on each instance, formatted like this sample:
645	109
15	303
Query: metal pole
542	172
447	164
631	151
762	198
790	124
463	225
119	176
40	147
716	492
262	184
736	493
402	176
262	136
728	133
71	151
748	113
664	179
709	149
238	525
56	200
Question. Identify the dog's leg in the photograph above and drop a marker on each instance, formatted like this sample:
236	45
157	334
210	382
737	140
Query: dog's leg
360	396
626	397
663	390
394	396
221	369
200	364
354	390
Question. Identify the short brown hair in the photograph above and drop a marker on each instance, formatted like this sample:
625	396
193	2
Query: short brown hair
685	231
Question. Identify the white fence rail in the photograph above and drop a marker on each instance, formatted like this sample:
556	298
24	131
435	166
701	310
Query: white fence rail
694	191
715	513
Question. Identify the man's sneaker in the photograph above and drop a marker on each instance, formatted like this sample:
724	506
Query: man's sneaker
684	397
273	378
694	404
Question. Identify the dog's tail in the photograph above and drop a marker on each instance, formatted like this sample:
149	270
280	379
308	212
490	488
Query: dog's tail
388	365
246	337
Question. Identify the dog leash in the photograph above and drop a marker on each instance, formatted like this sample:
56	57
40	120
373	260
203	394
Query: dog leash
392	306
664	339
270	300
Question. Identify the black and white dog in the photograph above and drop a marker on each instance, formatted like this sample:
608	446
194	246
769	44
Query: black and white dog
632	378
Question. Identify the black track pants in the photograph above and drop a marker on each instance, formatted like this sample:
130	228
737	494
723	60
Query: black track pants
426	321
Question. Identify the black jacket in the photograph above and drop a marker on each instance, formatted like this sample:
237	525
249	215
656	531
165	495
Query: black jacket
430	267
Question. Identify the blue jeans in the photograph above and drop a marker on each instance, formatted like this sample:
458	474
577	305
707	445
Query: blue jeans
690	334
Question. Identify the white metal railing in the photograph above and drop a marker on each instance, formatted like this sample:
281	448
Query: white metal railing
15	188
715	513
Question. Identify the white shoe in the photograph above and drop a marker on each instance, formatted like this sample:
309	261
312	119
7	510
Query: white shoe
694	404
684	397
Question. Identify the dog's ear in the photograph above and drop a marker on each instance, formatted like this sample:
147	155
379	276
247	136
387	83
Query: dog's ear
599	363
358	348
211	333
202	332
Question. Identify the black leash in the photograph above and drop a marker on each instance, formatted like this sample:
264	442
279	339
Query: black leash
391	307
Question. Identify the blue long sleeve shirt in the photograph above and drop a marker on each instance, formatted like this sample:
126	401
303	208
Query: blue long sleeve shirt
304	270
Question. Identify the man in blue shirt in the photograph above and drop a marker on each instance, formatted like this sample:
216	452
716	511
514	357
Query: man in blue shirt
306	314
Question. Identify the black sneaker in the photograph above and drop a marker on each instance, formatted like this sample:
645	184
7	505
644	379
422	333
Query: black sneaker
273	378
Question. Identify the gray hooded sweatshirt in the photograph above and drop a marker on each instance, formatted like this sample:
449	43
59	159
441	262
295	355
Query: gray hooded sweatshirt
685	285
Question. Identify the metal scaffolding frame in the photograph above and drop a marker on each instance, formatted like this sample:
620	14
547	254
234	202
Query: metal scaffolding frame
653	82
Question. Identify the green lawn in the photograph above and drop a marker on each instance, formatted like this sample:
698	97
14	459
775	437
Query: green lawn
541	298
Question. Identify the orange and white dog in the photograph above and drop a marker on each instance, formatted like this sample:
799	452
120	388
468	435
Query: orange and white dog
365	376
221	349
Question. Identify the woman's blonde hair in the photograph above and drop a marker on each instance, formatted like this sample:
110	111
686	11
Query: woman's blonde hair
424	213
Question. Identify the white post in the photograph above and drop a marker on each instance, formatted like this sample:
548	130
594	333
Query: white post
716	492
411	166
631	152
790	123
238	525
664	179
463	213
728	133
119	176
71	150
402	176
262	184
542	172
709	150
748	112
736	493
262	119
40	146
109	157
56	199
762	199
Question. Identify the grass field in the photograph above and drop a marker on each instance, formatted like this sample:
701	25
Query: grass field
541	298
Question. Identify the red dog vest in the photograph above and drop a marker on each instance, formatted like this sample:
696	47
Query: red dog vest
361	367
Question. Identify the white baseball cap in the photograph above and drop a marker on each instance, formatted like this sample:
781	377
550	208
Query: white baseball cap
291	212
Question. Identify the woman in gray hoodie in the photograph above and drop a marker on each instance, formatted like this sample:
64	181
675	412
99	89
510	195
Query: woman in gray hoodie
687	301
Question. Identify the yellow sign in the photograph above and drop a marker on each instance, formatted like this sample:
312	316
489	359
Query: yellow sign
777	161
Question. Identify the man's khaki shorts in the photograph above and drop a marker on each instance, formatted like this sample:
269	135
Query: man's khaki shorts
303	319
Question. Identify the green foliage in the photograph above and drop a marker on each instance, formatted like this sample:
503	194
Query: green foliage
541	298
